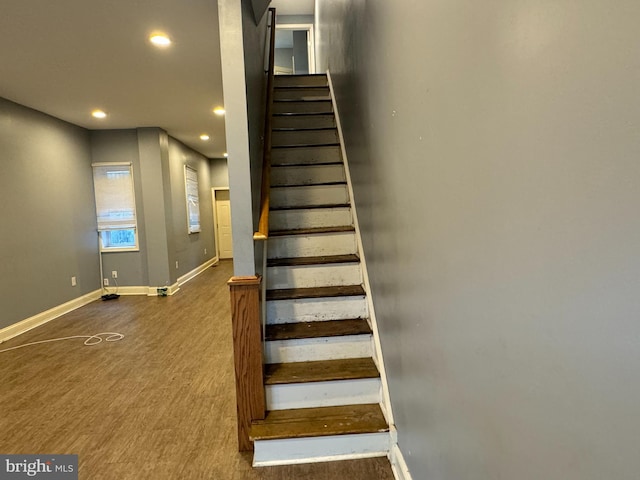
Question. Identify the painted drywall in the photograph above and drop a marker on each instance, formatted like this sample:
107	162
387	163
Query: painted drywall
300	52
254	41
114	146
237	134
189	249
497	183
294	19
155	229
219	172
284	58
49	231
158	167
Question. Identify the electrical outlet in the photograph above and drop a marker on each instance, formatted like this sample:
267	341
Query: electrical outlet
205	251
105	282
176	264
114	274
73	281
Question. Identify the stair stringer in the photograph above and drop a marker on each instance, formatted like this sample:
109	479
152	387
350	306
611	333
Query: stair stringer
377	347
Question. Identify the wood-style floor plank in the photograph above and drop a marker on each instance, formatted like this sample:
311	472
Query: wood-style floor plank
160	404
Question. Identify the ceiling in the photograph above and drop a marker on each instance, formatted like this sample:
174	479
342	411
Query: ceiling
294	7
69	57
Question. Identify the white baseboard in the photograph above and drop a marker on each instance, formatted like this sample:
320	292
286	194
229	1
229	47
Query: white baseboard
197	271
48	315
398	465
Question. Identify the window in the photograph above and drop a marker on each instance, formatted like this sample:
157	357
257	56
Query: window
193	201
115	206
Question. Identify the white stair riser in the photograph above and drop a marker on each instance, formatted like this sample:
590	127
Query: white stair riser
320	449
323	394
307	175
308	218
308	276
316	309
316	349
341	243
307	196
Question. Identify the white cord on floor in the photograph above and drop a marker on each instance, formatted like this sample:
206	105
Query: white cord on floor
90	340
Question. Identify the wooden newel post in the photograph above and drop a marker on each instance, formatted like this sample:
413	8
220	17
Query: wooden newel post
247	353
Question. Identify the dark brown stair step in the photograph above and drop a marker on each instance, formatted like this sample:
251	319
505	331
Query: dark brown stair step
322	260
317	422
308	155
307	184
302	122
309	207
301	93
313	80
305	106
304	137
315	292
320	329
312	231
320	371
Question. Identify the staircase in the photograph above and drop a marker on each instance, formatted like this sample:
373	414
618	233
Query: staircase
323	387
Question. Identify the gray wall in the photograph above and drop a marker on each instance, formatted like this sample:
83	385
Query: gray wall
48	213
188	249
112	146
219	172
497	181
284	58
49	220
293	19
158	162
301	52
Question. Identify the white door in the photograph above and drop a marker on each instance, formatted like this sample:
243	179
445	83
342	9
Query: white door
223	221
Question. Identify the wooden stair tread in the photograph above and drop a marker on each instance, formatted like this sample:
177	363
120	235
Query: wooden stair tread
314	184
317	422
322	260
320	371
310	231
315	292
306	145
301	164
319	329
311	207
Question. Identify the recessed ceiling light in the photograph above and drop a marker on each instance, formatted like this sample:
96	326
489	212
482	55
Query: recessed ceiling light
226	154
218	111
160	39
204	136
98	114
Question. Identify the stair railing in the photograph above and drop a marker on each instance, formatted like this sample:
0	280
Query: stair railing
263	223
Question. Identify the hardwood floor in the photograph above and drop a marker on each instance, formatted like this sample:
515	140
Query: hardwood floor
159	404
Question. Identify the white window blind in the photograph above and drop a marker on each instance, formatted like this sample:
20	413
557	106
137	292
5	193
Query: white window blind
115	205
193	199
